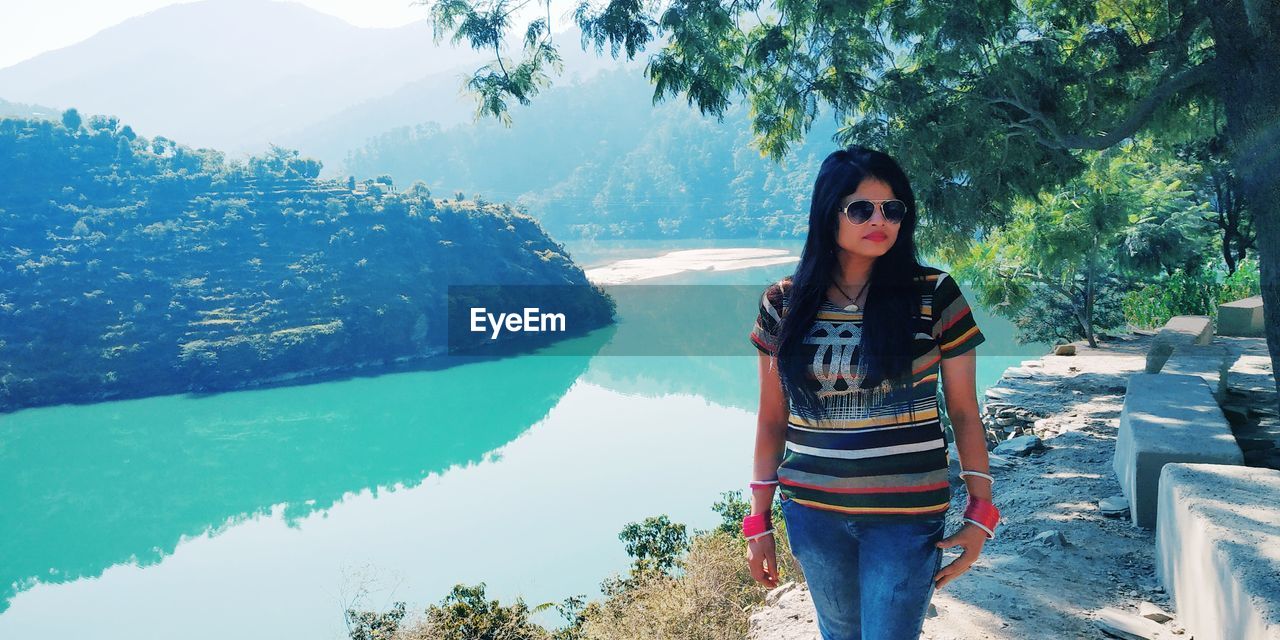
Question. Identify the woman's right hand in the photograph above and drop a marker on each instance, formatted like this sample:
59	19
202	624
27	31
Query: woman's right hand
762	557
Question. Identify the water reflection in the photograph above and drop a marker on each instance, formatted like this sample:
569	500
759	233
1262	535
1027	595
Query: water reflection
89	486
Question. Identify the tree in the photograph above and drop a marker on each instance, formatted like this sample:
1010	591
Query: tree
283	163
105	124
466	614
983	100
419	189
371	625
655	544
1171	227
1047	267
71	119
1221	187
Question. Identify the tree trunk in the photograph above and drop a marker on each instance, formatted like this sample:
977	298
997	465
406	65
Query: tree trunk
1089	292
1251	96
1086	323
1088	333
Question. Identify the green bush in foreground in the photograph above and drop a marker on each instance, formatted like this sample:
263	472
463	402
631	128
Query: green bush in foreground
689	587
1195	293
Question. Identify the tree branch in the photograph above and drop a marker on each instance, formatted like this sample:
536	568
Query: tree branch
1137	117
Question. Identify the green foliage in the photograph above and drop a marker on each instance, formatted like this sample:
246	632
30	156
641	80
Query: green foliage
1245	282
282	163
1195	293
465	614
484	27
575	609
982	104
732	508
71	119
370	625
708	599
1067	262
654	544
104	124
419	189
1168	229
1180	293
1044	317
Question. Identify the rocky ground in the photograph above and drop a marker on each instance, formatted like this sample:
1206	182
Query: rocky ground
1059	567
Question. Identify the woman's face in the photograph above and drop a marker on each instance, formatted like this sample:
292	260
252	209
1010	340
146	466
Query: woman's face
872	238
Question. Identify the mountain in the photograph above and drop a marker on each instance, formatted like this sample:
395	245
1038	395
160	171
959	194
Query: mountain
231	74
597	159
438	98
135	267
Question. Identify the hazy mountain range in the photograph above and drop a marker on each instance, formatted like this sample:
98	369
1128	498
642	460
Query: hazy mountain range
590	156
237	74
596	158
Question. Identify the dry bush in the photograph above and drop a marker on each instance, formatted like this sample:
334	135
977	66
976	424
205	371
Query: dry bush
709	598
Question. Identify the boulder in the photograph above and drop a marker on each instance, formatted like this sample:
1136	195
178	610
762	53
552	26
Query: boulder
1114	506
1123	624
1019	446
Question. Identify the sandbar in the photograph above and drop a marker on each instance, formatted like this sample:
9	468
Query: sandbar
674	262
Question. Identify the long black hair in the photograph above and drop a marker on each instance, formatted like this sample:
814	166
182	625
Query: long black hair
892	298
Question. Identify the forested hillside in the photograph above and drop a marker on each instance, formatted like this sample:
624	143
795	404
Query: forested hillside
597	159
137	267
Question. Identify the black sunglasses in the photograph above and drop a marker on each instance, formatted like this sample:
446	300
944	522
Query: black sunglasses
859	211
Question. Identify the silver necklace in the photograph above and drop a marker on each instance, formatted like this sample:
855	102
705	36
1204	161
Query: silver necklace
854	305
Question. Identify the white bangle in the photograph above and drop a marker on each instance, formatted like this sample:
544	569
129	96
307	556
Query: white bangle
760	535
762	483
990	534
978	474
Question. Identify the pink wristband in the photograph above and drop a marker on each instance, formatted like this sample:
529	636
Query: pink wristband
753	524
984	514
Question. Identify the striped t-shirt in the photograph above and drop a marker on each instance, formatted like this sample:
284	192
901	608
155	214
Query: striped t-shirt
867	458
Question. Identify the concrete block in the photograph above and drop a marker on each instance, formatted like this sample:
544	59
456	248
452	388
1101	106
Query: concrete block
1167	418
1179	330
1211	362
1218	549
1241	318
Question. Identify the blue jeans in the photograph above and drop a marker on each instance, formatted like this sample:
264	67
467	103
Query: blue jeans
870	580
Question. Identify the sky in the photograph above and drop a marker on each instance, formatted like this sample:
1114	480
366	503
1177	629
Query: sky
32	27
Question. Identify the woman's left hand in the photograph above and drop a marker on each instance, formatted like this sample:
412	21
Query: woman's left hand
969	537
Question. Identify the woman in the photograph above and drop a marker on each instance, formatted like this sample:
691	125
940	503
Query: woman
855	446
